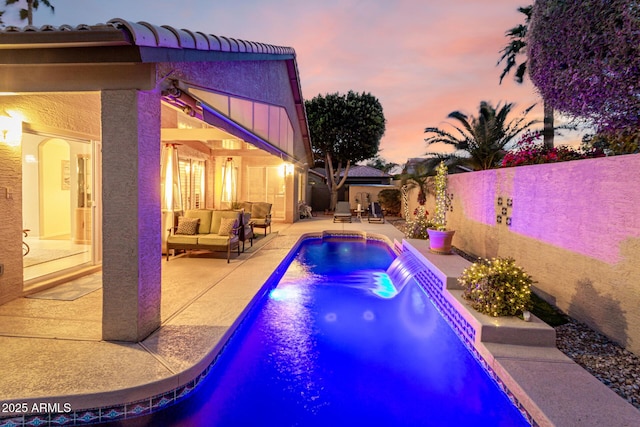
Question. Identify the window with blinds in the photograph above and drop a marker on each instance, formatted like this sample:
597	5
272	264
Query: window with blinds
192	182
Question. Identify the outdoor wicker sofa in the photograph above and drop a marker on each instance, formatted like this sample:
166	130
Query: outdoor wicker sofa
206	229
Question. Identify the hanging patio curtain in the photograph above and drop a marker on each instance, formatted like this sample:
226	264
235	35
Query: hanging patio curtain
229	182
170	180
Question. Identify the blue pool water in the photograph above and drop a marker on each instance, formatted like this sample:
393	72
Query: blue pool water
333	345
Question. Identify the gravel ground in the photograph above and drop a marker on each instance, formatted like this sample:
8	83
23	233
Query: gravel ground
614	366
611	364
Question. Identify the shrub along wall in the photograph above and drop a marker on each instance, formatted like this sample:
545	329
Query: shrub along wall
574	226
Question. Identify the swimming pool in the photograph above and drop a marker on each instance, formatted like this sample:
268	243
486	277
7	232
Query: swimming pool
335	343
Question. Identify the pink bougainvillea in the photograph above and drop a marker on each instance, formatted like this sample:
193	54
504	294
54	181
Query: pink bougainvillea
529	151
584	58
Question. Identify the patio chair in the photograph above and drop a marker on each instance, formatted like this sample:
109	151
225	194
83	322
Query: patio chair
375	213
260	215
342	212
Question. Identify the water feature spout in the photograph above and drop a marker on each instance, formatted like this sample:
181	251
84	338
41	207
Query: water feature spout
403	269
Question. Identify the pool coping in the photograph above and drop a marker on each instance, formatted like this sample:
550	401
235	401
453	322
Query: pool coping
549	387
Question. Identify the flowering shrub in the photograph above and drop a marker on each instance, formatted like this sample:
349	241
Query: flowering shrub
417	227
584	58
529	152
497	287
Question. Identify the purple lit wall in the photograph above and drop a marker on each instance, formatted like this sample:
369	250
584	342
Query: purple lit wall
589	207
574	226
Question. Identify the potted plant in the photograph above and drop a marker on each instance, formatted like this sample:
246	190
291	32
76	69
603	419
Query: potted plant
439	237
497	287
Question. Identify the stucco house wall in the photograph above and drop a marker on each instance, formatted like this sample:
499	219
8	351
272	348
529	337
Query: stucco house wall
10	226
574	226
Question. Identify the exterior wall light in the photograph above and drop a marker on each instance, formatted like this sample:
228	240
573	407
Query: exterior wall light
10	131
286	168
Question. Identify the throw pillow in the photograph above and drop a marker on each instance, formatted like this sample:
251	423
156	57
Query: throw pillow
227	225
187	225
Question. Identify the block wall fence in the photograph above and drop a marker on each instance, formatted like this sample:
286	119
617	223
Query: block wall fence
574	226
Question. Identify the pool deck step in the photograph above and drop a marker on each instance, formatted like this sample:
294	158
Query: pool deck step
552	388
444	271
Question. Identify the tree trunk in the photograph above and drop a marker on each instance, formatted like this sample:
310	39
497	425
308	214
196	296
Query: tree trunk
334	198
30	12
548	130
331	179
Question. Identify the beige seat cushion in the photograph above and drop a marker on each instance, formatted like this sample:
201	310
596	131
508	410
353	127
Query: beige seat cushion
205	219
215	240
216	219
260	210
183	239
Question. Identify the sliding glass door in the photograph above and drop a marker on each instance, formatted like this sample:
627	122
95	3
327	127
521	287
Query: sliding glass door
58	204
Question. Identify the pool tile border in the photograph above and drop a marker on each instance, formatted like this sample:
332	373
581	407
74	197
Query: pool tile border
433	287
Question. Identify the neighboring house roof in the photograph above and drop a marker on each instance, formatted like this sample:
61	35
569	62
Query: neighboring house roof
122	41
358	171
362	171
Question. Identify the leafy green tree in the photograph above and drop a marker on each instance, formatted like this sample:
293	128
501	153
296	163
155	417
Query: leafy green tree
484	137
344	129
27	14
514	49
391	200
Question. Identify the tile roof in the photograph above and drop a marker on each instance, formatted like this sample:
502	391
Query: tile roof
122	41
136	33
359	171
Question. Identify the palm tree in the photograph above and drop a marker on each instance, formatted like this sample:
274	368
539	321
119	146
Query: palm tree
417	174
515	48
381	164
31	6
484	137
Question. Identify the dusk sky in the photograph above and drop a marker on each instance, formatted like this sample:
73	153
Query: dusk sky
422	59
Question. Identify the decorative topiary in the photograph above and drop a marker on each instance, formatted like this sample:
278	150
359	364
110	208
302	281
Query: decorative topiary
497	287
443	200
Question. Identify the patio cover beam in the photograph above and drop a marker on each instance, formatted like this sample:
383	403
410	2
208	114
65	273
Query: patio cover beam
76	77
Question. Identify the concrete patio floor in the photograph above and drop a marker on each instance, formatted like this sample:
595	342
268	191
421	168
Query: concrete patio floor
52	350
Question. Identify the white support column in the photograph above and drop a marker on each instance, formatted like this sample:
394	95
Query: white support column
131	214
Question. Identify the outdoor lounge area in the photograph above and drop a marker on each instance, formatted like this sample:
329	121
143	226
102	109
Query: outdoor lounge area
208	229
200	307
